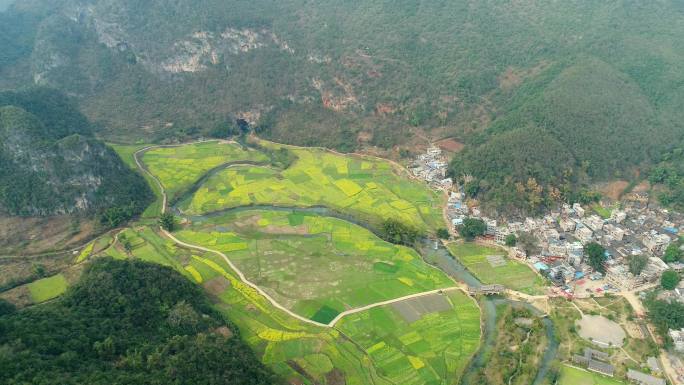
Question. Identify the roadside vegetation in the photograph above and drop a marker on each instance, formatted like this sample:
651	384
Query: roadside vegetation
517	353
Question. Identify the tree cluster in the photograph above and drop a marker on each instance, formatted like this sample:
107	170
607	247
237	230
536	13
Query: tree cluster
472	228
596	256
126	322
399	233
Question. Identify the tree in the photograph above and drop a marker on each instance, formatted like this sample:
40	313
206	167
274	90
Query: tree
442	233
637	264
511	240
396	232
672	253
528	243
596	256
665	314
6	307
669	280
471	228
167	221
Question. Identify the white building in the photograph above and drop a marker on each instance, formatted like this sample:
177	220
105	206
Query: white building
594	222
575	253
567	225
584	234
655	243
491	226
557	249
620	277
578	209
501	234
615	232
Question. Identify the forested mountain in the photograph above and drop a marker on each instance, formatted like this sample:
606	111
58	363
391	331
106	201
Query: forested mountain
126	322
50	163
603	79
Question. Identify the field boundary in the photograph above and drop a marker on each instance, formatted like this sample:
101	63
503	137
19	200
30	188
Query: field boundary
241	275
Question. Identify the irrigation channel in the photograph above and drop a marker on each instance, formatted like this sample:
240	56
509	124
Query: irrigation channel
435	253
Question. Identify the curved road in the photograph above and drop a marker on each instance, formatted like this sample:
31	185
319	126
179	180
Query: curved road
244	279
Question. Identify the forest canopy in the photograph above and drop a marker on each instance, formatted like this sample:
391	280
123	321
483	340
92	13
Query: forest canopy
126	322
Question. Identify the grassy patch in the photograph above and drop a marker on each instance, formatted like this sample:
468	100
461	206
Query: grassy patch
574	376
47	288
603	212
514	275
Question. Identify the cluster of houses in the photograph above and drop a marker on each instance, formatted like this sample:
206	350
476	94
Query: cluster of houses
634	229
432	168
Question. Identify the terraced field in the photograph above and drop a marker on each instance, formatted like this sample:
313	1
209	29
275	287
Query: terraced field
284	343
313	265
367	188
512	274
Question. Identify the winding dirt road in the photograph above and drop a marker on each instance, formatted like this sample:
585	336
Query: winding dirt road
244	279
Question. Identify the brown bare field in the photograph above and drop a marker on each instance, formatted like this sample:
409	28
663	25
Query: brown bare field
450	145
20	269
20	296
614	190
31	235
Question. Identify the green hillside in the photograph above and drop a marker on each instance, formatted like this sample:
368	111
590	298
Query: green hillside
591	122
126	322
51	164
603	79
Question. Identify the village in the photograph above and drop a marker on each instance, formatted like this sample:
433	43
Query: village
629	228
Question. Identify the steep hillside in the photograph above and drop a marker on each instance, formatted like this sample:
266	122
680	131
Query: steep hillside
50	163
605	79
424	63
126	322
591	122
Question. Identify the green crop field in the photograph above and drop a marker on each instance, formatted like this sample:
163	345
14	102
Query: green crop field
47	288
574	376
316	266
177	168
514	275
127	154
278	339
368	188
431	350
379	346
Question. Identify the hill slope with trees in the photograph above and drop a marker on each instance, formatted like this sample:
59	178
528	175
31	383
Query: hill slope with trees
126	322
605	80
50	163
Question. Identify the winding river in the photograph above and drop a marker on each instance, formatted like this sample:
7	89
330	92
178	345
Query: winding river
435	253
